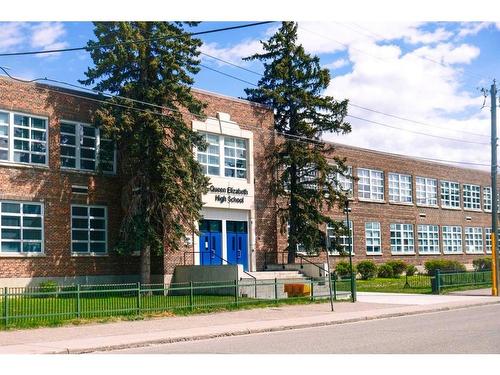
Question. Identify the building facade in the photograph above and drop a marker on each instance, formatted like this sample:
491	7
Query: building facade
60	203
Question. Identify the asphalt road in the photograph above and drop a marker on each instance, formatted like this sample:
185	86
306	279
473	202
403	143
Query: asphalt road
472	330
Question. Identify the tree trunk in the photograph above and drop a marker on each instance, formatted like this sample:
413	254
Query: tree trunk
146	265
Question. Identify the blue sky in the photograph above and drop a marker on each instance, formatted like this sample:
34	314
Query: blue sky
426	72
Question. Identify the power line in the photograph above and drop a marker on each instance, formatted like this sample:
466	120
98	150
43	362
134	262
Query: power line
417	132
292	137
350	102
88	48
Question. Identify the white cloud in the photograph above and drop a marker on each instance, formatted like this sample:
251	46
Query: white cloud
339	63
472	28
47	35
233	54
11	35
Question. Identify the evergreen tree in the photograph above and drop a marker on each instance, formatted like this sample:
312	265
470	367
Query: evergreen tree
151	62
306	184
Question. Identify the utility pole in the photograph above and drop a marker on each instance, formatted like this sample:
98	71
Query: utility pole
494	204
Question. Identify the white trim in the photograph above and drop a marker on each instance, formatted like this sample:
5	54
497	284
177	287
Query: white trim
21	228
88	241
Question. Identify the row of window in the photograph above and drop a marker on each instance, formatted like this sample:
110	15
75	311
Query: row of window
428	242
23	139
22	230
371	187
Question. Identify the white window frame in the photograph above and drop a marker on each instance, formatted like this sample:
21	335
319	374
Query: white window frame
474	240
452	239
343	240
78	146
222	156
21	215
11	138
406	233
88	230
487	202
472	197
344	182
428	239
487	240
373	238
450	188
375	192
400	191
426	191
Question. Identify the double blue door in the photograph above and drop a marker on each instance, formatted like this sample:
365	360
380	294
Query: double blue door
237	243
210	242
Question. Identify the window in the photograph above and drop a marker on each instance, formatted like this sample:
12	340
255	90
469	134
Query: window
472	197
225	156
402	241
345	242
370	184
452	239
344	183
426	191
487	239
428	239
83	148
372	237
474	240
23	138
400	188
487	198
450	194
21	227
88	229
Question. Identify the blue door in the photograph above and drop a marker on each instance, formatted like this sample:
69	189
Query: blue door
237	243
210	242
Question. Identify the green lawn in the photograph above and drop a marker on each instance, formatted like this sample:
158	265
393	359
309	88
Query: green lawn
417	284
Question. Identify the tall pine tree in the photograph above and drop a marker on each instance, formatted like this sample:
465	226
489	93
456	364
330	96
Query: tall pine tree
152	62
306	185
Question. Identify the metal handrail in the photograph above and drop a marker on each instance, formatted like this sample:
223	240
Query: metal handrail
301	257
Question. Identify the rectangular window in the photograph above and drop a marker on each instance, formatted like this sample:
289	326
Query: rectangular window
487	198
487	239
88	229
21	227
426	191
428	239
474	240
345	242
343	182
472	197
452	239
370	184
450	194
83	148
225	156
402	239
23	138
373	238
400	189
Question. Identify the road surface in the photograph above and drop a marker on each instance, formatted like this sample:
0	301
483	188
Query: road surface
471	330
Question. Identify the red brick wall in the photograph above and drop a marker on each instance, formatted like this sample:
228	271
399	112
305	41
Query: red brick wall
387	213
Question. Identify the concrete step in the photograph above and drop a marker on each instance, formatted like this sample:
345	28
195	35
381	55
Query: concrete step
270	275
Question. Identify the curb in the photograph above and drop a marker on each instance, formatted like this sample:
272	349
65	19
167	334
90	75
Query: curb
243	332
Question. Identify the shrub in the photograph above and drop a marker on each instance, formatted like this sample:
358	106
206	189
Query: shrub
343	269
482	264
398	267
48	286
411	270
367	269
443	265
385	271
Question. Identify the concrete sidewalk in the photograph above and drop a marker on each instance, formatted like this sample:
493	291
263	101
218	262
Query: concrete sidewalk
126	334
